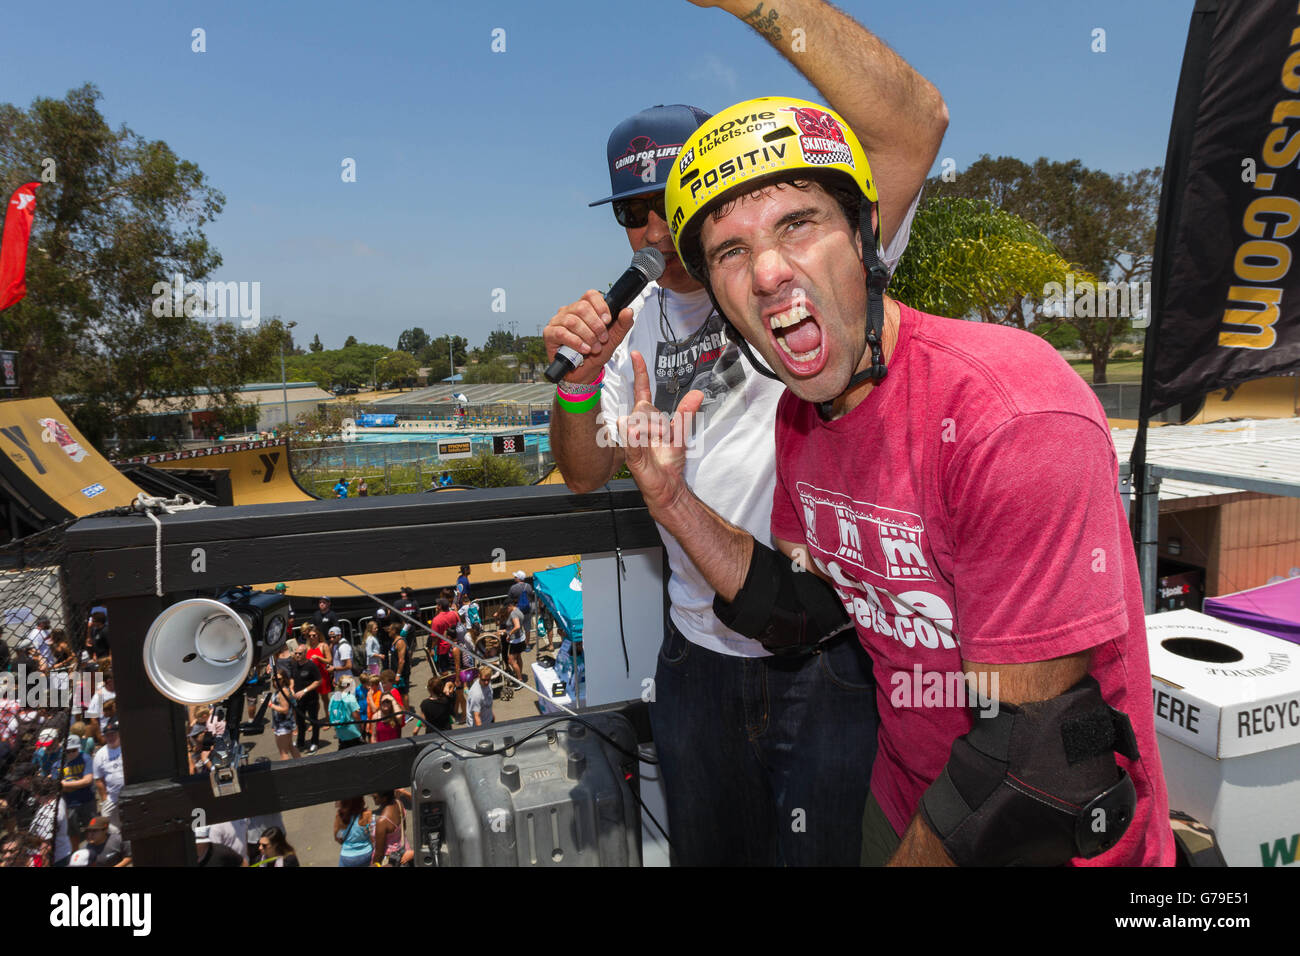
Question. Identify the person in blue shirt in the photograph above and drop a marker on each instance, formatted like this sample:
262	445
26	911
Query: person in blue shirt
462	585
341	488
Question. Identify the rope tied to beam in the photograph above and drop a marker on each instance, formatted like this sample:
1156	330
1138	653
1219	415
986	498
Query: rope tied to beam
151	506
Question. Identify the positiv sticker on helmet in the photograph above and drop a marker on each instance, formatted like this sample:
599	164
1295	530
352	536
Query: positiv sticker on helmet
749	162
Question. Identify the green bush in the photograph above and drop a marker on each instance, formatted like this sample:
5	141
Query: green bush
489	471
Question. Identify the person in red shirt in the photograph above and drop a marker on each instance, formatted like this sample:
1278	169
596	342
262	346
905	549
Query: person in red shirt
443	632
964	507
388	725
320	654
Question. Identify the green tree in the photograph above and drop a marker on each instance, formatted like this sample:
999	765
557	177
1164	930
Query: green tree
412	341
493	371
1103	223
350	366
434	356
532	352
437	350
316	345
121	215
351	341
397	367
968	258
489	471
499	342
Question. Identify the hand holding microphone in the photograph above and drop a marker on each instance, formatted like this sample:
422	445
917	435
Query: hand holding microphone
584	334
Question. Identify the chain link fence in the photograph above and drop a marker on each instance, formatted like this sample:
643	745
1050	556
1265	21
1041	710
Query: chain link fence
53	658
391	468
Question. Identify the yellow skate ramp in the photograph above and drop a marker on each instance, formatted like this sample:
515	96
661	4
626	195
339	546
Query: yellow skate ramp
259	471
1277	397
49	468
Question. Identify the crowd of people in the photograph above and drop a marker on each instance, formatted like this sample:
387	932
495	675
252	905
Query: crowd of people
365	693
61	766
60	749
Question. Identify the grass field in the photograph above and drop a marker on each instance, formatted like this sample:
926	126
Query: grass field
1124	370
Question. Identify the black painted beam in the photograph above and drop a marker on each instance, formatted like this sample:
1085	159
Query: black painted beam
164	807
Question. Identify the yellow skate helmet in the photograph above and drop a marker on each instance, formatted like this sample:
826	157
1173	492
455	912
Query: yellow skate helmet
765	140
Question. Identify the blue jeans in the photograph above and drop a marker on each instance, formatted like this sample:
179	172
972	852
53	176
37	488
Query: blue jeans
766	761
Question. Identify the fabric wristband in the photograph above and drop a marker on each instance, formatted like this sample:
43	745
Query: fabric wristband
571	399
584	390
584	405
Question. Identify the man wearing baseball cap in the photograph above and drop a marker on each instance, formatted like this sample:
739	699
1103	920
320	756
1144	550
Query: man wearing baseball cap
741	737
340	657
104	845
108	772
77	781
324	618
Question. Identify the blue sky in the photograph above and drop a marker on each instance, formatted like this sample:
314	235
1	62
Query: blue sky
474	168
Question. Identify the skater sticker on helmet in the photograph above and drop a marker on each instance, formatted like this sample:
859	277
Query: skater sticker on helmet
822	138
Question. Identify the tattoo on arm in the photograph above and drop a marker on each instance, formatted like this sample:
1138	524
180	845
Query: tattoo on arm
764	23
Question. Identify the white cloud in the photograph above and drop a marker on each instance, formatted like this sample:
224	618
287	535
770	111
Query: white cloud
713	70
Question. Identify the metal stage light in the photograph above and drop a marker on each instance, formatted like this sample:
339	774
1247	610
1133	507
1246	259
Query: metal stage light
201	651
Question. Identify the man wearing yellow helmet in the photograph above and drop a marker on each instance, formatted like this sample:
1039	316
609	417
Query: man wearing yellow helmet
752	771
954	481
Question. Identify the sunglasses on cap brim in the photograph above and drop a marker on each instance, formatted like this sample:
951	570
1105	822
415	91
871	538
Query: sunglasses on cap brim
635	212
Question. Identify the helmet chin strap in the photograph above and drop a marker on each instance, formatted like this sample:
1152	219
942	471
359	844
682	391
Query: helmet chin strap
877	278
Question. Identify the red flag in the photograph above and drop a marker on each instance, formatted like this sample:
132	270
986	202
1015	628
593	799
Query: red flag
13	247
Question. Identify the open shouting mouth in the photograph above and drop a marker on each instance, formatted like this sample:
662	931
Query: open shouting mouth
797	333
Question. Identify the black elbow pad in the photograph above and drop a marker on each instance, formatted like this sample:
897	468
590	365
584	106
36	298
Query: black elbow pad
788	611
1037	784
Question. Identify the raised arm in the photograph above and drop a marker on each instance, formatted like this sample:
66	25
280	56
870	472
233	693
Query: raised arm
897	113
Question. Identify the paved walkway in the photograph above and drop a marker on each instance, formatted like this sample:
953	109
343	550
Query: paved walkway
309	829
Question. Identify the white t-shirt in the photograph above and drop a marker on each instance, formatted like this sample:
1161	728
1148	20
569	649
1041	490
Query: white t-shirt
731	462
51	823
479	700
41	641
342	654
108	768
231	833
98	699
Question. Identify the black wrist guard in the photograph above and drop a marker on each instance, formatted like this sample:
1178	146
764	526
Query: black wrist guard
789	612
1036	785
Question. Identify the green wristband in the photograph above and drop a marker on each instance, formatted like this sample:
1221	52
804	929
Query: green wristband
577	408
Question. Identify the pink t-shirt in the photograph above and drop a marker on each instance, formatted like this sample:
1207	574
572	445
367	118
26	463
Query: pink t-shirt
979	484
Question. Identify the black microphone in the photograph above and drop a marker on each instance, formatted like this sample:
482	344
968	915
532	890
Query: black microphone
647	265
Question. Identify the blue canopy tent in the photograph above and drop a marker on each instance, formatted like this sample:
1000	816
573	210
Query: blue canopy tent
560	591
